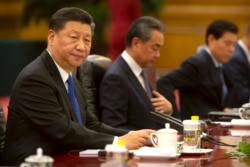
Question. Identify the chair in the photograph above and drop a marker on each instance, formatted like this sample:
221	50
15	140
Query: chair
90	75
2	133
100	61
4	101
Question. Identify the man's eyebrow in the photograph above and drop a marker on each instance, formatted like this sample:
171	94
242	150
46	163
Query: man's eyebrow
157	45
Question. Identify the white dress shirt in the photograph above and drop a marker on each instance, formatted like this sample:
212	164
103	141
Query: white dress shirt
136	69
245	49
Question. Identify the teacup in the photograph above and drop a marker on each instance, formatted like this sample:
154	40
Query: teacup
30	162
165	139
38	160
244	111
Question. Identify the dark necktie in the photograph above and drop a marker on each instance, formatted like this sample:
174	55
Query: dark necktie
146	84
74	102
224	86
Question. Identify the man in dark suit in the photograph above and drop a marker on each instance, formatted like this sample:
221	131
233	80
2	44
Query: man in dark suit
203	87
239	69
41	110
126	98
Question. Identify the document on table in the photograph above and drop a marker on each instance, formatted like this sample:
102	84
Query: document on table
89	153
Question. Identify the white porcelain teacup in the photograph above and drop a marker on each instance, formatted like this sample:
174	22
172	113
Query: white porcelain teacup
165	139
244	111
38	160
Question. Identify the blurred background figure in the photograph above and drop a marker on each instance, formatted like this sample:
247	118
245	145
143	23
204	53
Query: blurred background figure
123	13
239	68
202	84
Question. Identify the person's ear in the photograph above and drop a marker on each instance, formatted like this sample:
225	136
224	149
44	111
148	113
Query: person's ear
51	37
135	44
210	39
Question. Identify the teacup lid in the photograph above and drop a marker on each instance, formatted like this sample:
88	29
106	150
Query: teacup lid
246	105
190	122
169	130
39	157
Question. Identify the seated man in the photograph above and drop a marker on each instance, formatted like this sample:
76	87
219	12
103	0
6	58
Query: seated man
47	106
203	86
239	69
126	98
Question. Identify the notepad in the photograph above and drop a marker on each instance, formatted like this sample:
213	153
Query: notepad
240	122
89	153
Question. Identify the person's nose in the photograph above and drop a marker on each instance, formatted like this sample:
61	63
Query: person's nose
80	45
232	48
158	54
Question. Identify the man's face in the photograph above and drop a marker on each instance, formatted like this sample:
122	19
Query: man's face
149	51
71	45
223	47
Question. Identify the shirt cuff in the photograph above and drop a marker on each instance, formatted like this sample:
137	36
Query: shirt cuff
115	140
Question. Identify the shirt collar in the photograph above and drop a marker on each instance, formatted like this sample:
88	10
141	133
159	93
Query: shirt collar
245	49
63	73
131	63
216	63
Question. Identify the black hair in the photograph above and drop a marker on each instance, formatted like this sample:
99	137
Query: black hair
64	15
218	27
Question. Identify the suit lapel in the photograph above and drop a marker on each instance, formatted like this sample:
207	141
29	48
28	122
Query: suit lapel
136	84
59	84
215	78
243	57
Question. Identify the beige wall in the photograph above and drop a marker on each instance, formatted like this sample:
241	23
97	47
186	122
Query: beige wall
10	18
186	22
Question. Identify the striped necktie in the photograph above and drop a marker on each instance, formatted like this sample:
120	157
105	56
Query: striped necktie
74	102
146	83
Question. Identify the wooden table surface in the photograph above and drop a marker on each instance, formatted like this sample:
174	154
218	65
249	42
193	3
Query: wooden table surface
217	158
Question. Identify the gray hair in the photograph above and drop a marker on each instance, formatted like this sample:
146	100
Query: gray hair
142	27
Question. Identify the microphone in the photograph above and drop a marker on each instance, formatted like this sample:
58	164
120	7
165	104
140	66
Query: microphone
178	125
164	118
214	141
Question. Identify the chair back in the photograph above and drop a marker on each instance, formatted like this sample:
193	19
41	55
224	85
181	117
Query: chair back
100	61
2	133
90	75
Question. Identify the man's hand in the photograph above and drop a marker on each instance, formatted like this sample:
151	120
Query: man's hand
227	110
136	139
160	103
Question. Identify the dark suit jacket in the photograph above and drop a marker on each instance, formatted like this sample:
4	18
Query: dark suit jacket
199	85
40	115
123	100
86	74
239	70
89	74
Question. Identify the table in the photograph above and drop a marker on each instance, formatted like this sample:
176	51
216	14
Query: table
217	158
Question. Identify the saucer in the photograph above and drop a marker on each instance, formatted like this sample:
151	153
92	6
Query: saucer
196	151
240	122
152	152
239	132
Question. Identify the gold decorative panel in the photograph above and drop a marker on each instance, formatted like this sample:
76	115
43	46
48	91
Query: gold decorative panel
186	22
